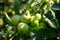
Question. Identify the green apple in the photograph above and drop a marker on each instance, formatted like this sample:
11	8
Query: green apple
13	12
26	18
33	18
34	21
38	16
1	22
16	19
9	10
23	28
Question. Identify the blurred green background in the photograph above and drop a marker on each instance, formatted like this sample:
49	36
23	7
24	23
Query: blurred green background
29	19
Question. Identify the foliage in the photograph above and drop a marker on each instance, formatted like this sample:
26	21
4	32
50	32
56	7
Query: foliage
28	20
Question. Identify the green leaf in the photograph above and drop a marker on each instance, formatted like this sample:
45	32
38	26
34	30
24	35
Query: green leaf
16	6
50	33
39	35
9	30
51	20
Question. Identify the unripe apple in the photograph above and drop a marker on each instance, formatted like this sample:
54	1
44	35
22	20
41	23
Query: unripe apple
34	21
15	19
32	18
38	16
26	18
1	22
23	28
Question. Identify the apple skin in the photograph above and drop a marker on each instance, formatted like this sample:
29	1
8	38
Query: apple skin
26	18
16	19
38	16
23	28
1	22
34	21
